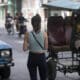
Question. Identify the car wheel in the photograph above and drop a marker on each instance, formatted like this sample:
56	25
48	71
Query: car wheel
5	72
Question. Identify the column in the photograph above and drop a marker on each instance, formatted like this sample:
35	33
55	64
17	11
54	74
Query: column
9	6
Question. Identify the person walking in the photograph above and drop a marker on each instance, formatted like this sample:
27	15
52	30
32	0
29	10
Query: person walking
16	21
22	26
37	59
9	23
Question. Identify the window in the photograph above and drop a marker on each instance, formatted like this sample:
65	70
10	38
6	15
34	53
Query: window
5	1
2	1
41	1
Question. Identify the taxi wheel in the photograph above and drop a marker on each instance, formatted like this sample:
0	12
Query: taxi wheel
78	69
51	70
6	73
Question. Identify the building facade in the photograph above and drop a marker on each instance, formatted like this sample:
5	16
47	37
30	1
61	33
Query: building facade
27	7
14	6
3	5
9	6
31	7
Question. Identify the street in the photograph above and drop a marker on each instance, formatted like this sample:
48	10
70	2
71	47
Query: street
20	71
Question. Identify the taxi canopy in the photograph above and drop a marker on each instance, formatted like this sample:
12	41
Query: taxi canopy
63	5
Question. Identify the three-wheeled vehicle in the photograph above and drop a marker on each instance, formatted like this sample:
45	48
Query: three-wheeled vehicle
6	60
64	44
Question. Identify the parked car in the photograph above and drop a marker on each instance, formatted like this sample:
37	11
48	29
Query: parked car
6	60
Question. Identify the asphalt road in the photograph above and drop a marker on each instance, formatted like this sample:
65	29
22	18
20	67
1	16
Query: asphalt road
20	71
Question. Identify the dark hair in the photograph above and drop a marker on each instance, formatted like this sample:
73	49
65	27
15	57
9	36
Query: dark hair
36	22
8	14
17	13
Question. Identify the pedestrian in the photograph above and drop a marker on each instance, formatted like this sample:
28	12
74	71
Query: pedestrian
37	59
9	23
16	21
22	26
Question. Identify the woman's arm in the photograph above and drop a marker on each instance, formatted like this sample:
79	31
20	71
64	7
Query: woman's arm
45	40
25	43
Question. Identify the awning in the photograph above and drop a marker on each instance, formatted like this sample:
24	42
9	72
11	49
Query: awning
63	5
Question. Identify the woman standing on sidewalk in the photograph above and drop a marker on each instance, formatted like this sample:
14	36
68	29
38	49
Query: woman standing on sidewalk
36	53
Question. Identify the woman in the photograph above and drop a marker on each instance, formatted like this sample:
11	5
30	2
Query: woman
36	53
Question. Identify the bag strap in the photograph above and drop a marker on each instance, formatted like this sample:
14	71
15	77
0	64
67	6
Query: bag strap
37	40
